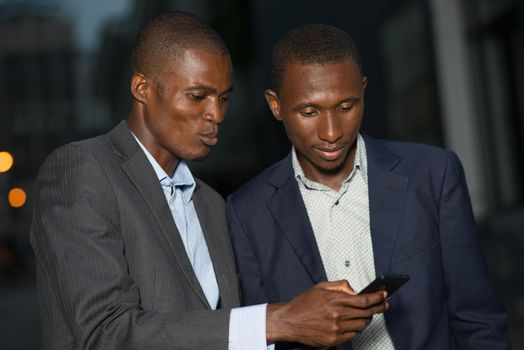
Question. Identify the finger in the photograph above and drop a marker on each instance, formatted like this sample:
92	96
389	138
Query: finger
349	313
338	286
378	309
354	325
352	329
354	314
363	301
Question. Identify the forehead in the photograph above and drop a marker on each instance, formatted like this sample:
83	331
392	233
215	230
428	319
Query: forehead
306	80
199	67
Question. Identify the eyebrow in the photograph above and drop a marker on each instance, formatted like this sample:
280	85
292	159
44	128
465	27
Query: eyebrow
210	90
307	105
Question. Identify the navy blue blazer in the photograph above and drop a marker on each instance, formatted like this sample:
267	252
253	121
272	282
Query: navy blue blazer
421	225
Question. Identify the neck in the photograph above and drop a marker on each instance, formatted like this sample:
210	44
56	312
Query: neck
165	159
334	178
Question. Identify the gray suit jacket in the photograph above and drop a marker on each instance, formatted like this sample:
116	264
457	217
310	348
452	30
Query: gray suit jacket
112	270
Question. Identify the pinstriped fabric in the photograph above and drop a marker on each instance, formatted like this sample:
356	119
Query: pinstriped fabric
111	272
178	191
253	335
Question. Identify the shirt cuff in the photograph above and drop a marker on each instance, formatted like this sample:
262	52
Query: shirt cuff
247	328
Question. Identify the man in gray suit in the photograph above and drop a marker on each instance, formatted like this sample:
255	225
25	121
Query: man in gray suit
132	251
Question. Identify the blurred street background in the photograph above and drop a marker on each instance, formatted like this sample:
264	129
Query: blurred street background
444	72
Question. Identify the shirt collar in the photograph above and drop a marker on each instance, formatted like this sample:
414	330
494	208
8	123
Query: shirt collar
182	178
360	166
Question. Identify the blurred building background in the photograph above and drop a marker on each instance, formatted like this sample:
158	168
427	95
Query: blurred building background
444	72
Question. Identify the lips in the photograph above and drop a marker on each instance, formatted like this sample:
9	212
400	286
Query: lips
330	153
209	139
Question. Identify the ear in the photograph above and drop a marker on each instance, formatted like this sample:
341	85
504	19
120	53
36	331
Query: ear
274	103
364	82
140	87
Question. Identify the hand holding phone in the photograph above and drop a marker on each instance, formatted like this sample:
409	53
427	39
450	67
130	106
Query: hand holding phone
389	283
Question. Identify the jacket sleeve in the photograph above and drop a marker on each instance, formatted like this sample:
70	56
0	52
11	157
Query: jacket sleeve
80	256
477	321
251	282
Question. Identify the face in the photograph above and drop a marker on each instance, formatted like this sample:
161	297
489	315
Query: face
321	107
183	108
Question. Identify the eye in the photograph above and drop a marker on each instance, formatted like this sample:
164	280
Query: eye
308	112
346	107
196	96
224	98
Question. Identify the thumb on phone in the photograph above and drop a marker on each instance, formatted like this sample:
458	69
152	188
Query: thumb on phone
338	286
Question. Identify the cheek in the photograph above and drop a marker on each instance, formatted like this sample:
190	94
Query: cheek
185	121
355	127
300	131
177	130
350	124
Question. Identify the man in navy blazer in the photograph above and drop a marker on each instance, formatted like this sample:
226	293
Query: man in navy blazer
409	202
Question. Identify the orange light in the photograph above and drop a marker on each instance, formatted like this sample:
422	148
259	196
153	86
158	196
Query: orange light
6	161
17	197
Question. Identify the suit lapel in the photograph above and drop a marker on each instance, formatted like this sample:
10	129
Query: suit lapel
387	193
142	175
218	244
289	212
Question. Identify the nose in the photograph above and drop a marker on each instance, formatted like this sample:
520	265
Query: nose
329	127
215	111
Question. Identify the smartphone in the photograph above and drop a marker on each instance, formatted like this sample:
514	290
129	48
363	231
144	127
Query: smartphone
389	283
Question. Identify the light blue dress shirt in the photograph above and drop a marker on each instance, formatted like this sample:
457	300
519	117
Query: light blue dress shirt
247	325
178	191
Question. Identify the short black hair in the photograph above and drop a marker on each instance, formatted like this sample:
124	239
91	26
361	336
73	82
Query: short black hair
161	41
311	44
